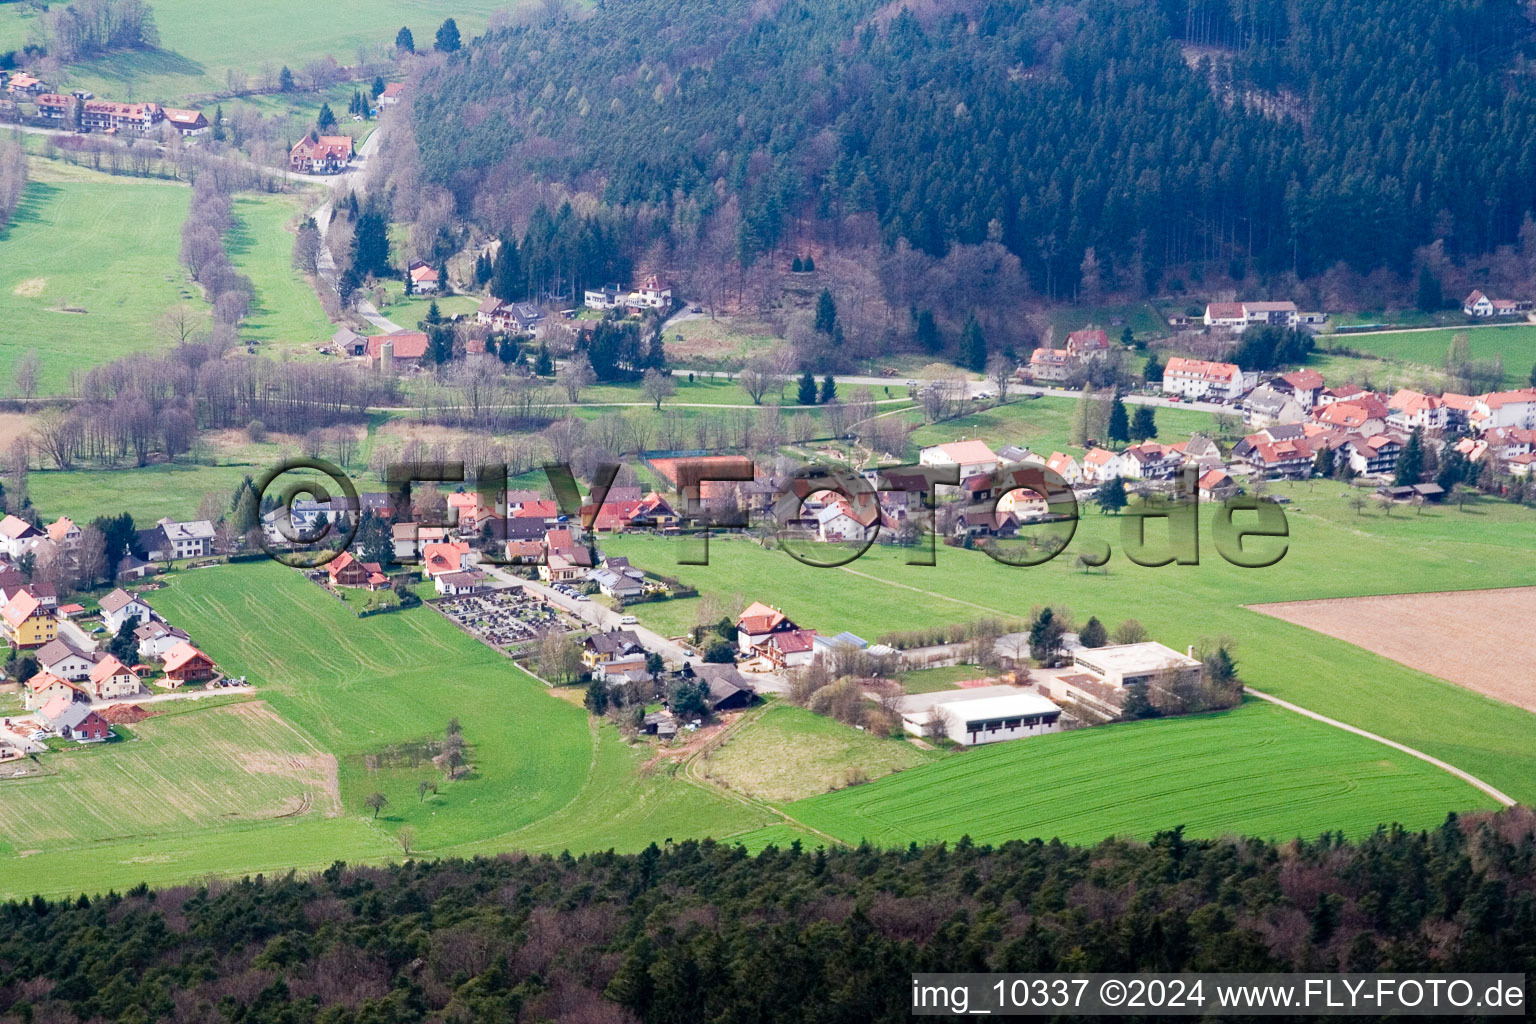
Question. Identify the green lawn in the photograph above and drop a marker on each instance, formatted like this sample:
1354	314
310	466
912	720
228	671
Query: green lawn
199	44
102	245
1257	770
1333	552
409	311
932	680
1516	343
149	493
785	753
1045	425
1138	316
286	309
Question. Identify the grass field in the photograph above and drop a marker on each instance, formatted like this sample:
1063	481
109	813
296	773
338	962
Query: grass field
1045	425
149	493
933	680
1257	770
105	246
539	776
785	753
286	309
197	49
1138	316
1516	343
1333	552
208	768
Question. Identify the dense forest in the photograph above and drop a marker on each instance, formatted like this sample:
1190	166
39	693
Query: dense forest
704	932
1107	144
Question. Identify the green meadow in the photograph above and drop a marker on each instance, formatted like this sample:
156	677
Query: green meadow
197	50
91	265
366	691
285	309
1044	425
1255	771
1332	551
1514	343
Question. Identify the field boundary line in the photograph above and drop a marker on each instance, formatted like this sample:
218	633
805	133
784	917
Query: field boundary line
1465	776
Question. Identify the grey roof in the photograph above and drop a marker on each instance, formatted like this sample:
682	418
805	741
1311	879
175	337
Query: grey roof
613	642
55	651
118	599
71	716
153	630
196	529
1286	432
724	681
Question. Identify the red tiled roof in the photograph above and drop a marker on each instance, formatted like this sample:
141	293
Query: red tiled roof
1203	369
407	344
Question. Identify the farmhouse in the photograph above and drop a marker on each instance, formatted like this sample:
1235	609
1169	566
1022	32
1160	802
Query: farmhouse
1059	364
989	719
188	123
64	533
1201	378
1480	305
792	648
423	277
391	94
186	664
385	351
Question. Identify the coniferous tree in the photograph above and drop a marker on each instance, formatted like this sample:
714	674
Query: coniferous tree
285	80
1111	496
1119	423
973	345
378	86
1093	634
928	337
826	313
807	390
404	41
370	244
543	365
1144	423
508	281
828	389
447	37
1410	464
1152	369
218	123
327	120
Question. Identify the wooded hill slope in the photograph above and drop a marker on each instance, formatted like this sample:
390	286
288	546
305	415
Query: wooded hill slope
1172	138
707	933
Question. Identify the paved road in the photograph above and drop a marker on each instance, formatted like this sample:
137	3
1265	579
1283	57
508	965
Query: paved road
1466	777
353	179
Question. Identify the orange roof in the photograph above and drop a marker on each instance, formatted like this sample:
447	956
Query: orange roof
43	680
407	344
1213	479
537	510
1201	368
1303	380
758	619
1502	398
59	528
393	89
106	668
444	557
182	654
1413	401
423	274
21	608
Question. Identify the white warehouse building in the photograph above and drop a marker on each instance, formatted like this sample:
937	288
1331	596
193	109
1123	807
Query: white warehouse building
990	719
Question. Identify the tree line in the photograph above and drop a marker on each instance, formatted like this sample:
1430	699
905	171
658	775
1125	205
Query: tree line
703	931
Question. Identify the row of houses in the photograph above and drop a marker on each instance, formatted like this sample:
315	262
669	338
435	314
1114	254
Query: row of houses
1239	316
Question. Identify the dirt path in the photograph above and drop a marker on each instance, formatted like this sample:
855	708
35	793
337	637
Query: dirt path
1467	777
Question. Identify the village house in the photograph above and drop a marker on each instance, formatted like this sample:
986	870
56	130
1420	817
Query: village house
1062	364
653	293
564	559
1458	411
186	664
45	687
72	720
757	623
457	584
110	679
1407	410
189	123
1505	409
1364	414
609	296
1198	379
423	276
58	658
619	585
445	557
1289	457
791	648
1101	465
391	94
323	154
346	571
64	533
157	638
16	536
1216	485
1066	467
970	457
1373	456
728	688
187	540
602	648
1150	461
26	623
1265	406
1306	386
120	606
1237	316
24	84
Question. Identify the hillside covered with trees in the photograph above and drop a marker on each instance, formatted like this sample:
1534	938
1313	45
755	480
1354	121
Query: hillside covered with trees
1104	144
701	932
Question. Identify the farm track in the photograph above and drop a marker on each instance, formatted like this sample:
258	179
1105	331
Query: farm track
1467	777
